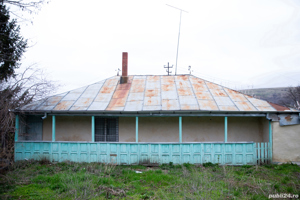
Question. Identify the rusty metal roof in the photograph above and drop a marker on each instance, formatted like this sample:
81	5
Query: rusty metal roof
152	93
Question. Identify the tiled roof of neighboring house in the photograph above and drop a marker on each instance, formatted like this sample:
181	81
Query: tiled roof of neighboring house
153	93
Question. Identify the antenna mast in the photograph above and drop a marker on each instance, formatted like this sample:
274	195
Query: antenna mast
178	34
168	70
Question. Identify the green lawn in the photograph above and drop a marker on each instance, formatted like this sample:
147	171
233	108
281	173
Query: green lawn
44	180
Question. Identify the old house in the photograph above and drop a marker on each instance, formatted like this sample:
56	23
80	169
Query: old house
145	119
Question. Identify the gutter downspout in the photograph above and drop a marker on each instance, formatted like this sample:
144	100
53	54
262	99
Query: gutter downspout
271	137
44	117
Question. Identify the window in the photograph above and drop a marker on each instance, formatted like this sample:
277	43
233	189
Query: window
106	129
31	128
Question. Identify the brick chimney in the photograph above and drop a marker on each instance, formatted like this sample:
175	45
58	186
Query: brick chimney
124	77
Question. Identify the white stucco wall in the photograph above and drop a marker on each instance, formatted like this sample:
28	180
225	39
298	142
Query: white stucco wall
286	143
164	129
194	129
68	128
202	129
248	129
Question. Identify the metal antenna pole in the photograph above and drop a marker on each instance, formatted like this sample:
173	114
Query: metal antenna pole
178	42
178	34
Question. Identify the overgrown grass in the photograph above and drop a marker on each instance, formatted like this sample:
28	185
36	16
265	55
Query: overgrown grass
45	180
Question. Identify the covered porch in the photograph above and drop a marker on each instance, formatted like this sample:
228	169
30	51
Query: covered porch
151	140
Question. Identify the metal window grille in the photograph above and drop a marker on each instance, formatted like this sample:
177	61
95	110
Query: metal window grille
106	129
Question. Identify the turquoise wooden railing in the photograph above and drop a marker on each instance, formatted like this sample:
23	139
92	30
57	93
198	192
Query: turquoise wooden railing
139	153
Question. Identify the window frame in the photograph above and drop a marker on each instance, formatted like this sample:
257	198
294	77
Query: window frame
102	125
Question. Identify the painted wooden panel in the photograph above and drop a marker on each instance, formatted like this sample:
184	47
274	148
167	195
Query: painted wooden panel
140	153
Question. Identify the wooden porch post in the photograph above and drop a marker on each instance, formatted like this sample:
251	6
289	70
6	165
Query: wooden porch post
93	128
180	129
17	128
53	128
270	140
225	130
136	129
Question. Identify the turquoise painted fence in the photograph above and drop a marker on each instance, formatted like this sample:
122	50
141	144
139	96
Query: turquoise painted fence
139	153
263	153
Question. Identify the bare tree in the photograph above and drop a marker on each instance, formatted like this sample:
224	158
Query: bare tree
16	92
292	98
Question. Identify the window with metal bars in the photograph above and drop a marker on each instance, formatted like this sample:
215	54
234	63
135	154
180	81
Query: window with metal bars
106	129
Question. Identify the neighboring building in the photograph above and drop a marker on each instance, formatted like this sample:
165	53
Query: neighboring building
154	120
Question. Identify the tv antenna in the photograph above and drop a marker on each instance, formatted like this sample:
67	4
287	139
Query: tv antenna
190	69
118	70
178	33
168	70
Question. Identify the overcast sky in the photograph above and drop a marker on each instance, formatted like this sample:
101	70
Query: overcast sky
239	44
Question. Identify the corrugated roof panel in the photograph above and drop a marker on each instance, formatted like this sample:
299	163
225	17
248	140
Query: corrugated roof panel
169	95
152	92
182	77
135	97
87	97
103	97
46	108
245	106
258	102
182	83
198	84
279	107
235	96
203	95
151	107
134	106
170	104
64	105
152	101
98	106
119	97
117	103
115	108
168	87
139	77
106	89
188	100
218	93
153	78
213	86
83	102
152	85
207	104
185	91
124	86
120	94
49	103
33	105
83	108
224	101
138	85
112	81
265	108
189	107
167	80
73	95
229	108
196	80
199	87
